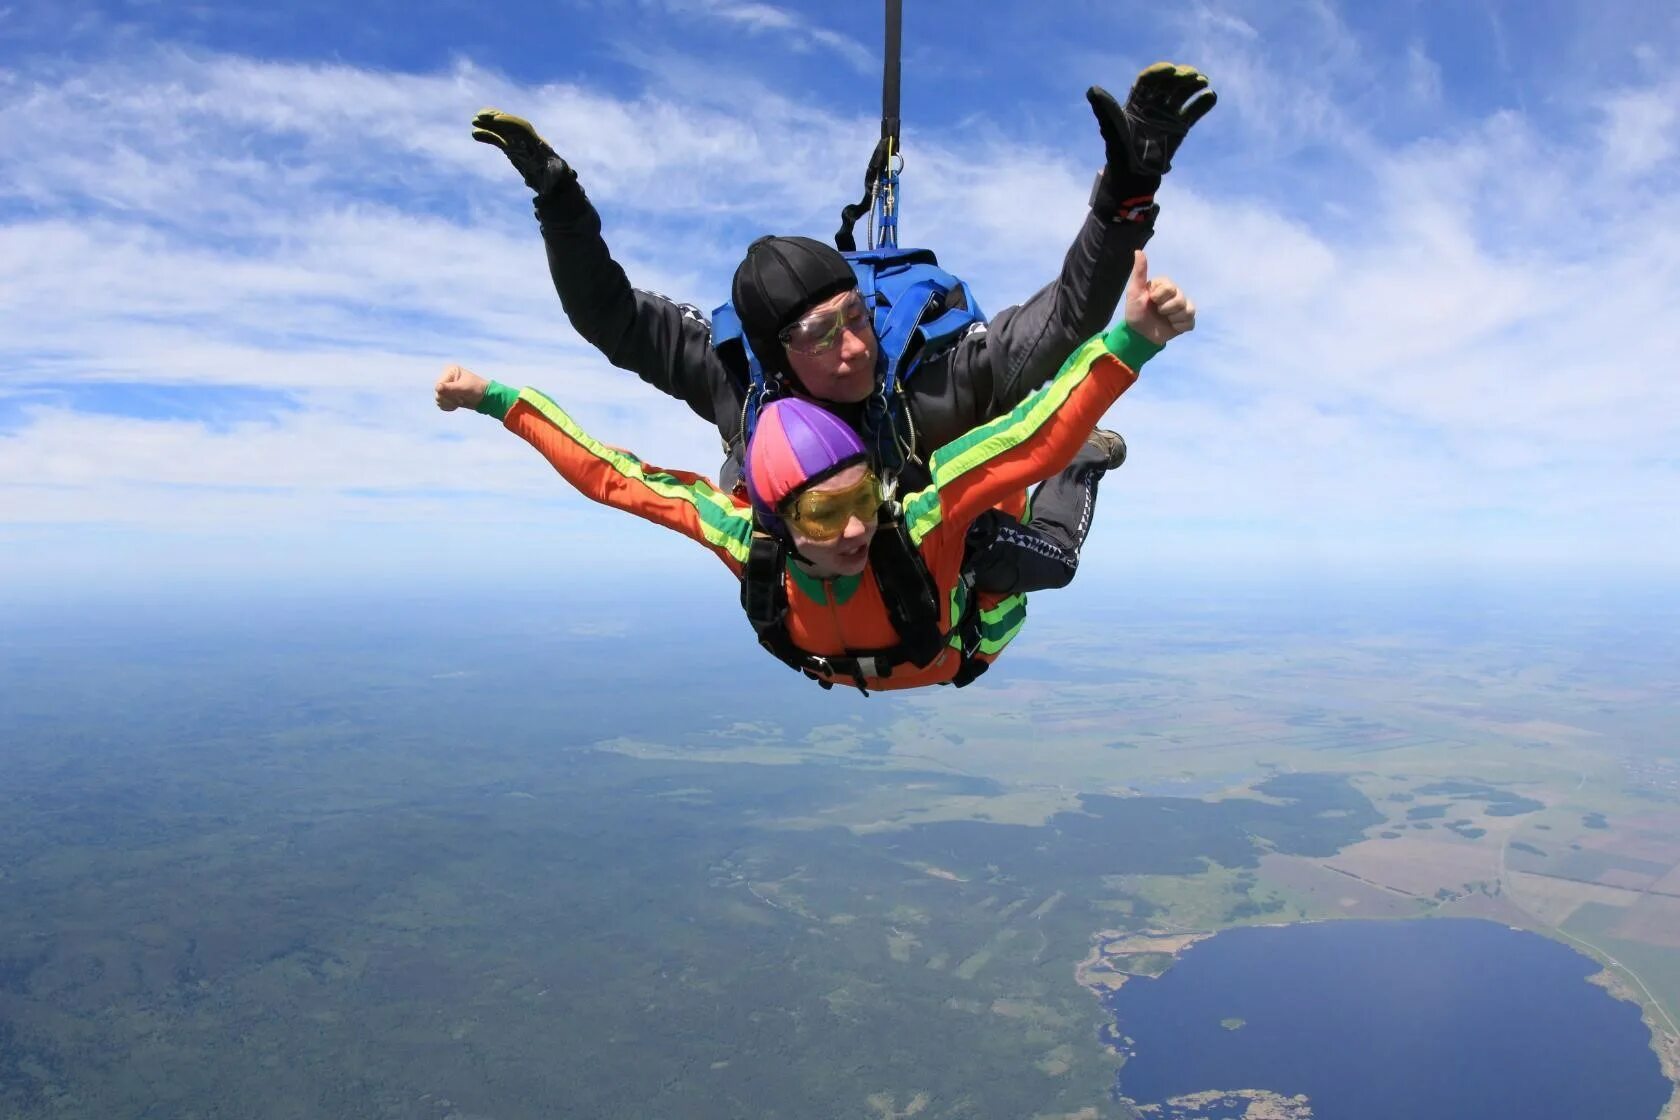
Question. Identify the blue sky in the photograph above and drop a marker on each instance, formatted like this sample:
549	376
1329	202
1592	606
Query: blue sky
1436	249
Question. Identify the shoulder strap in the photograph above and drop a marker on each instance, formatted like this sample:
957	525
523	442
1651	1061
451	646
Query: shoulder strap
907	589
730	342
764	598
918	306
919	310
763	595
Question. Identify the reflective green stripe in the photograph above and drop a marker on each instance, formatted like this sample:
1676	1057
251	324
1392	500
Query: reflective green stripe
722	523
1000	624
921	513
995	437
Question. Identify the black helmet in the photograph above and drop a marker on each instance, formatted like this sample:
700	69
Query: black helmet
779	279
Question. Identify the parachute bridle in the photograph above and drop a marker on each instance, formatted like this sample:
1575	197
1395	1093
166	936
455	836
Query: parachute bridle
880	179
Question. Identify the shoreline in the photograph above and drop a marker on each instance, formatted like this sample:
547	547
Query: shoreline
1665	1043
1115	956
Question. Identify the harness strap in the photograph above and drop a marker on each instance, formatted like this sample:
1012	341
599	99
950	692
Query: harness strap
968	630
907	589
763	596
898	331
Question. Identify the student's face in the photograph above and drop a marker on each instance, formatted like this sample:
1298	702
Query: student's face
848	553
831	350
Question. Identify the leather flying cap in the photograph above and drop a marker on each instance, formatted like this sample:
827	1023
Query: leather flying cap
780	278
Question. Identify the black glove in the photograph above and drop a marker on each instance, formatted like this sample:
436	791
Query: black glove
1165	101
542	169
1142	137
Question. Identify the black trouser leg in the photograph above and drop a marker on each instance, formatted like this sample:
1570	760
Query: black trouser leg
1042	554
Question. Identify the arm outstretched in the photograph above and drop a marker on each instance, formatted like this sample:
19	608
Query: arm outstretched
679	500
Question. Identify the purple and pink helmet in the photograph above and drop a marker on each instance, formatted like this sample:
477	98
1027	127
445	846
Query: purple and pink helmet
795	444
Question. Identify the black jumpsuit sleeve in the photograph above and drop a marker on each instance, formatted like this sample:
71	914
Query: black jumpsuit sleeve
666	344
989	372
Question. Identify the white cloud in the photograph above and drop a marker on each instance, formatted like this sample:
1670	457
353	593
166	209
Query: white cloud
1289	91
1643	127
796	32
1424	75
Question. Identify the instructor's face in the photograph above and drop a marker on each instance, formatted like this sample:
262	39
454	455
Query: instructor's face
845	371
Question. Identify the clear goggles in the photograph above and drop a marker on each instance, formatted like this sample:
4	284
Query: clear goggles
819	331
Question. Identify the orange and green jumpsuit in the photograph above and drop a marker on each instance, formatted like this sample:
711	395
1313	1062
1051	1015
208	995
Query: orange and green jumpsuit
834	617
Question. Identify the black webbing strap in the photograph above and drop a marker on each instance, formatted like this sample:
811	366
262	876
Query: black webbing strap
762	595
888	145
968	632
907	588
890	72
844	239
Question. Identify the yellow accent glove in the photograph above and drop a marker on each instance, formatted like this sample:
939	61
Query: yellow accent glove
537	163
1165	101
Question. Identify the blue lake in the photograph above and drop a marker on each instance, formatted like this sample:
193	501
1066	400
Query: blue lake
1445	1019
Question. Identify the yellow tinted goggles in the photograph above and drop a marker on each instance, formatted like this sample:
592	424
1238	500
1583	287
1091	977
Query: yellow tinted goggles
822	515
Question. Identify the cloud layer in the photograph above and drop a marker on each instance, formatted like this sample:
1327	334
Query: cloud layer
1429	335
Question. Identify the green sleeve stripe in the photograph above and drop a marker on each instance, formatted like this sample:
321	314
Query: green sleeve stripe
498	400
976	446
921	513
993	438
724	524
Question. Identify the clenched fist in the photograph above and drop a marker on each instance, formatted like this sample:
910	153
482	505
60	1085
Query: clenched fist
460	388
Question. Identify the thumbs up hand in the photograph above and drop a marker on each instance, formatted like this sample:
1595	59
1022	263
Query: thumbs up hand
1156	309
